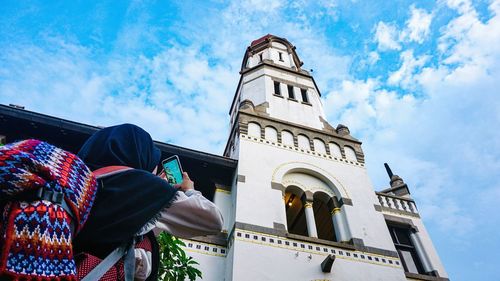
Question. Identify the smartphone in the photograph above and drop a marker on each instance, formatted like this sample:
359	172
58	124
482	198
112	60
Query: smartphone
173	169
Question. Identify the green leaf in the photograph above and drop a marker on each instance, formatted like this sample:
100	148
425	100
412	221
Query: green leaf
174	263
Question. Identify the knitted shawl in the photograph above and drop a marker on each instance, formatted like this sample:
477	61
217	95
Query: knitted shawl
35	235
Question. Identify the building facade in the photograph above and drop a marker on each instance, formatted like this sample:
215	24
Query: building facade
294	191
301	205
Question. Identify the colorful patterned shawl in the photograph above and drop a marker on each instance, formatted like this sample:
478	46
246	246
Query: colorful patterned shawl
35	235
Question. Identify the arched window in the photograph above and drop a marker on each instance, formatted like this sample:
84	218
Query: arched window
334	150
271	134
323	217
349	153
286	138
254	129
303	142
319	146
295	211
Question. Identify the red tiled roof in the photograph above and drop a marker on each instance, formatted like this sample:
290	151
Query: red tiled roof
261	39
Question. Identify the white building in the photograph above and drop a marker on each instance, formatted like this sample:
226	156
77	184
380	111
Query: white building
302	206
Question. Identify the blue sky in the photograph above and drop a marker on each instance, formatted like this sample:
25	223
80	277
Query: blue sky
416	81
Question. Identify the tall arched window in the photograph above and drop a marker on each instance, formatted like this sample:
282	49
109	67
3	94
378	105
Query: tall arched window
271	134
286	138
349	153
254	129
295	213
334	150
303	142
323	217
319	146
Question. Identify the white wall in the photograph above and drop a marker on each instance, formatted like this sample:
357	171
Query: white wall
259	204
254	261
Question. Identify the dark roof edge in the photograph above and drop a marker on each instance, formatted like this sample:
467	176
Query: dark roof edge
76	126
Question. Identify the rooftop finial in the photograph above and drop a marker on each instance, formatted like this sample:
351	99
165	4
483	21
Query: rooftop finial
389	171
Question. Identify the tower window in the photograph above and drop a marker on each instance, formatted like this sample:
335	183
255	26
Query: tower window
304	95
260	57
290	92
277	90
406	249
281	56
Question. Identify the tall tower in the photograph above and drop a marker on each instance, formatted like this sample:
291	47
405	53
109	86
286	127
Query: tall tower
302	206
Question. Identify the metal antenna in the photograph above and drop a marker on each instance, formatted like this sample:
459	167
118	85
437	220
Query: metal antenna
388	169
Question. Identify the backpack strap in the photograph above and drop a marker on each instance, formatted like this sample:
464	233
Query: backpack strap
126	250
109	171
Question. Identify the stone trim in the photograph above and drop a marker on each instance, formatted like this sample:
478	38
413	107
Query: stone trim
359	244
241	178
395	197
205	248
345	201
399	212
425	277
378	208
321	134
277	186
219	239
280	231
300	150
223	187
300	246
401	221
248	115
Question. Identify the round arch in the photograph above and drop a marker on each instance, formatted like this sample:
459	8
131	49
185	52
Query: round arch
337	187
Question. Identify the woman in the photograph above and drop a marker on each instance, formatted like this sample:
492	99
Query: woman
135	201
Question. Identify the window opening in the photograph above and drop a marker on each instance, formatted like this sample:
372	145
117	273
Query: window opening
406	250
277	90
304	95
290	92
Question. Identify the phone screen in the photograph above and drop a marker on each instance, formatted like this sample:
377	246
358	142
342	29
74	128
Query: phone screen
173	171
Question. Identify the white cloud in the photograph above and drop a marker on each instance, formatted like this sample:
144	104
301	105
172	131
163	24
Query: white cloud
417	26
373	58
410	65
155	93
445	145
387	36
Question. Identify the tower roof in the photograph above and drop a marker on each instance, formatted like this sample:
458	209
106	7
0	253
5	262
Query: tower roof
261	39
264	42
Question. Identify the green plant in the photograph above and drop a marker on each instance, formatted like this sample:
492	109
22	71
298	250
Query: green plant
175	265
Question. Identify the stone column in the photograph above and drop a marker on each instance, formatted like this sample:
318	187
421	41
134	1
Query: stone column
311	223
339	225
422	254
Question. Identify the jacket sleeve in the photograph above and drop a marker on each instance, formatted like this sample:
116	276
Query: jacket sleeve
190	215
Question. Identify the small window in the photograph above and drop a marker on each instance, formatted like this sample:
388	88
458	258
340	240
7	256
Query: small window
349	153
260	57
304	95
287	138
277	90
290	92
254	129
281	56
406	250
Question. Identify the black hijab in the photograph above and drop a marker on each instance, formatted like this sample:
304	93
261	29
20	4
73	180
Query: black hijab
122	145
125	201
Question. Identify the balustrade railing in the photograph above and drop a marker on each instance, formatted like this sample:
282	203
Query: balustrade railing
397	203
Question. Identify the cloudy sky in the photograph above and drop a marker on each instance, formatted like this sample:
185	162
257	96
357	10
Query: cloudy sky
417	81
